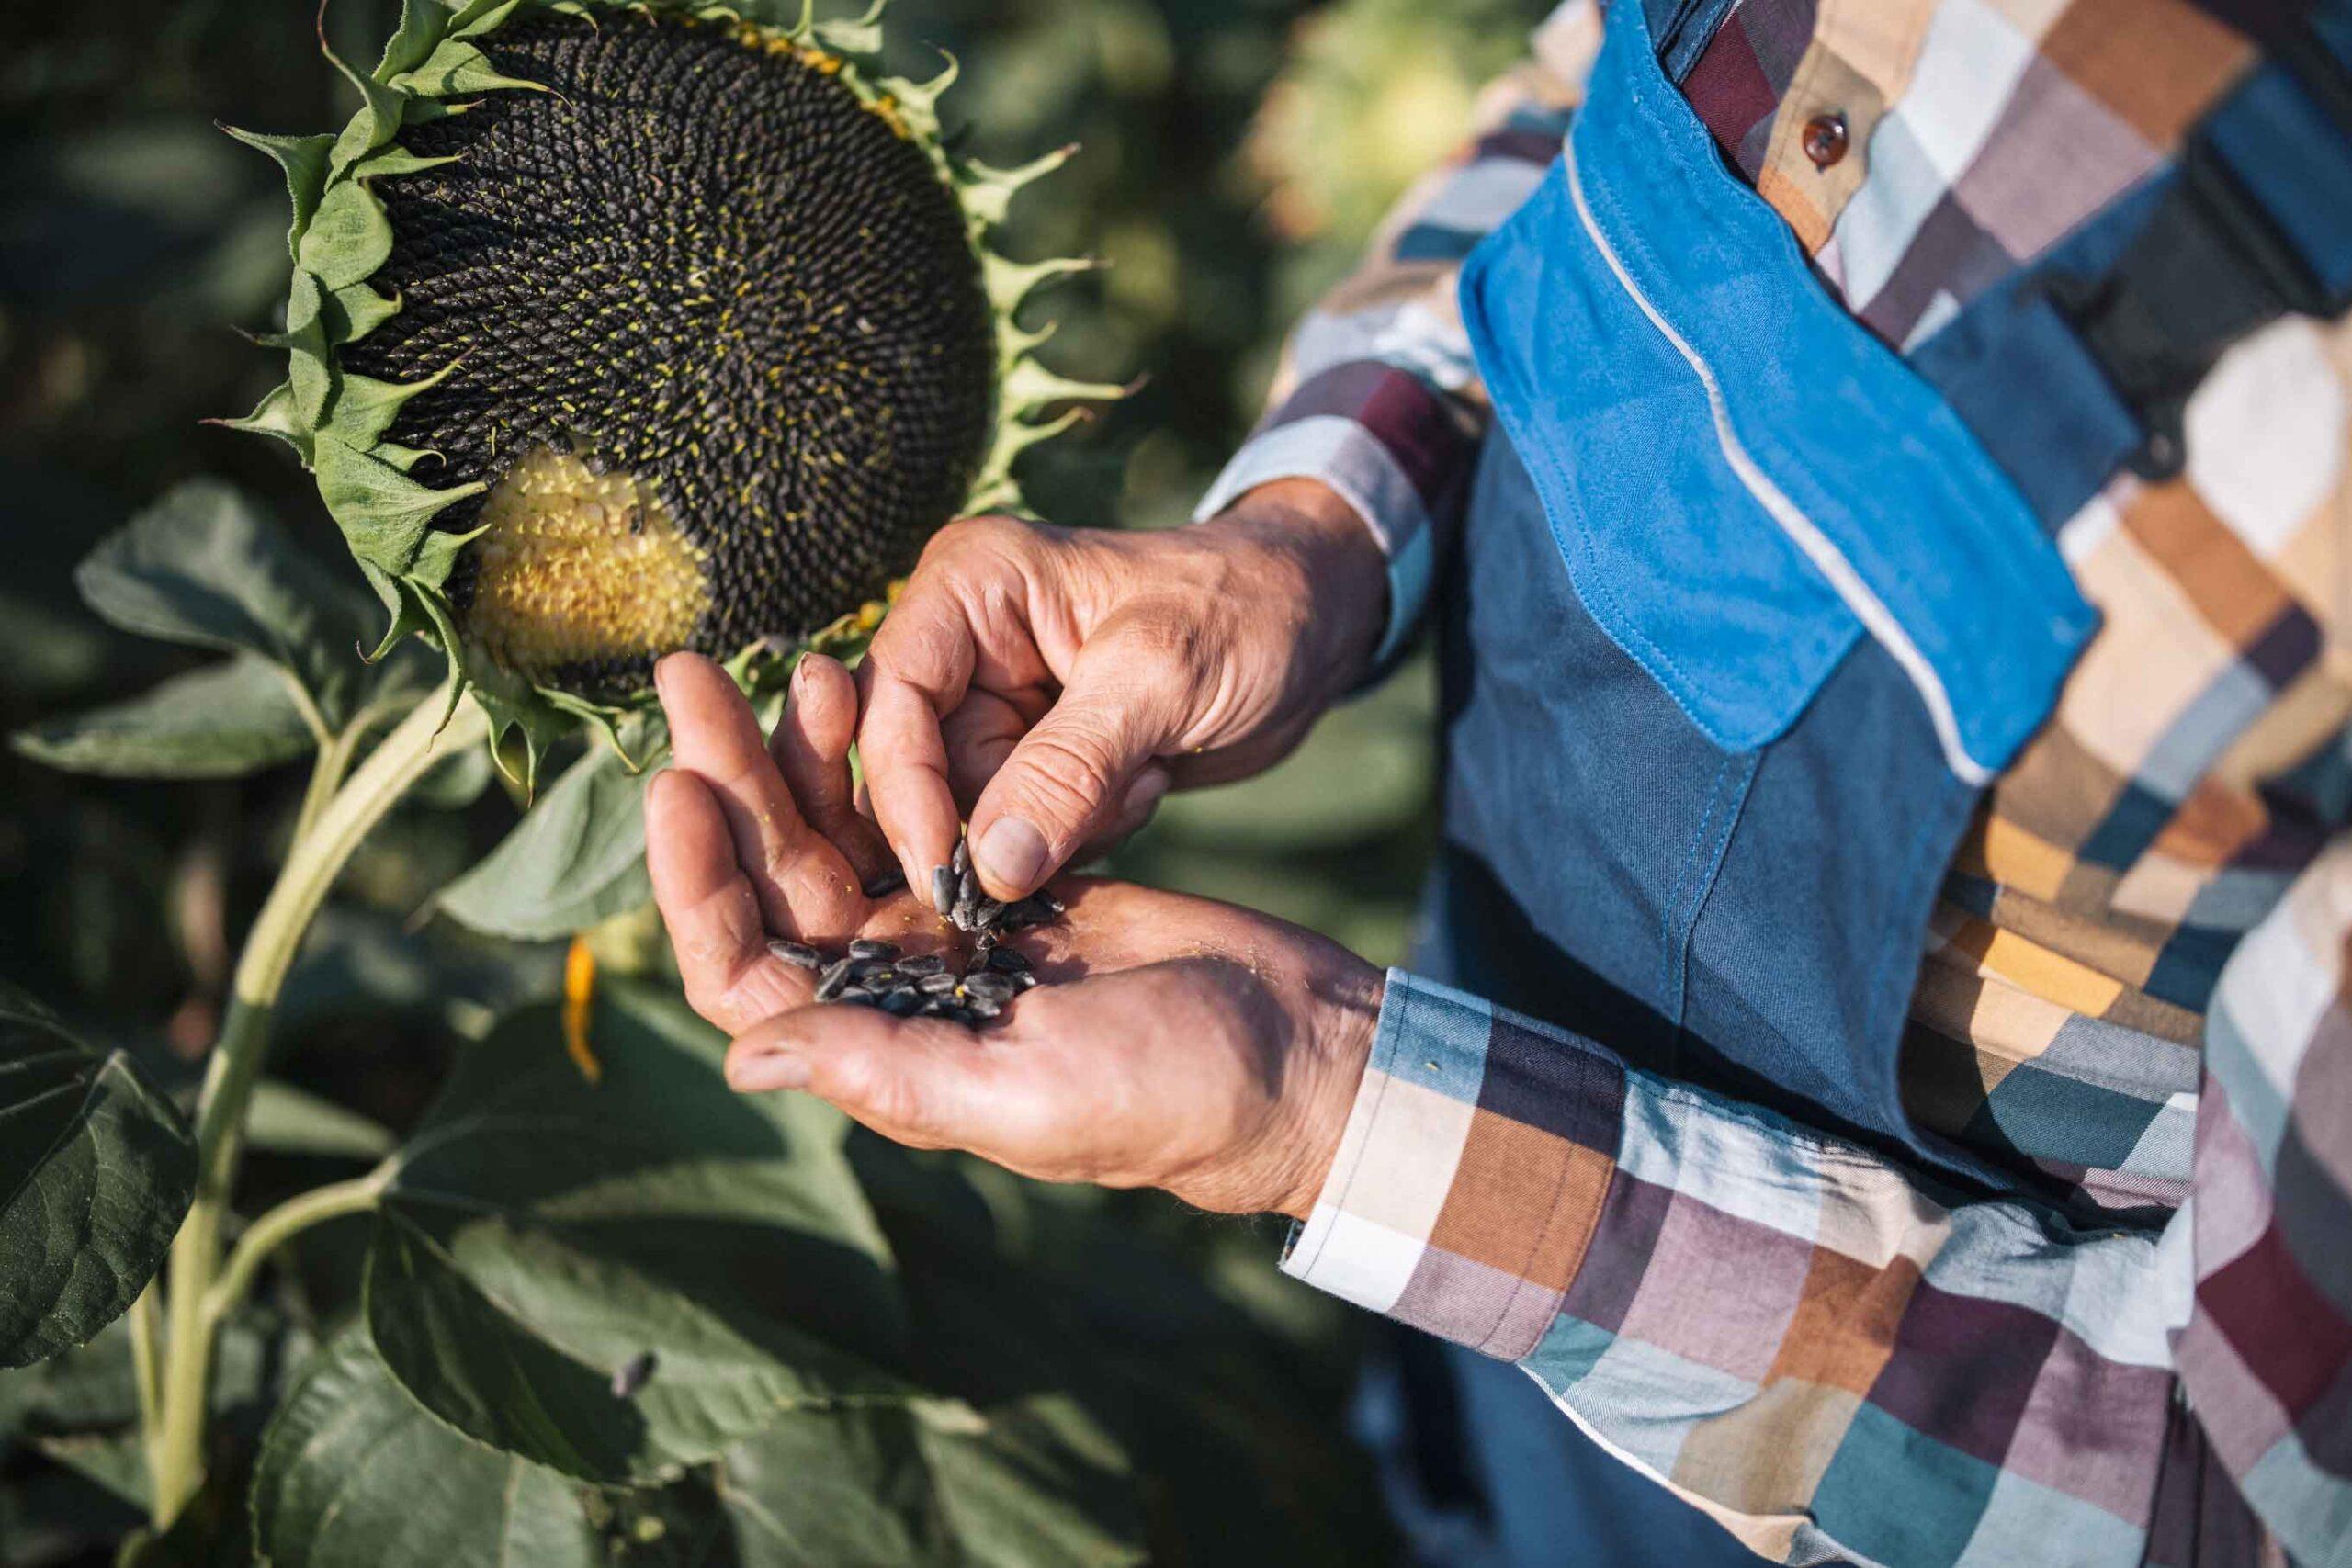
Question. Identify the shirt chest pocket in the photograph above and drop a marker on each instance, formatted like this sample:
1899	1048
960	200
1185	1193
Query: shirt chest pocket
1742	484
1671	554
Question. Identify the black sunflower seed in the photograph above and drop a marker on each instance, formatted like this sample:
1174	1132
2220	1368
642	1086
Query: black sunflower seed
938	985
866	947
889	882
1007	959
989	985
1023	912
943	889
922	963
835	980
800	954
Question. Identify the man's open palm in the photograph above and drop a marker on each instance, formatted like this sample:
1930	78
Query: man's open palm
1178	1042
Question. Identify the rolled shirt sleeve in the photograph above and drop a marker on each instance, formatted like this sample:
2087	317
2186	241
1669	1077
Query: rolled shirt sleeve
1378	395
1836	1359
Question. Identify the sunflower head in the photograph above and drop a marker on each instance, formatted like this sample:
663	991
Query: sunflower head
616	330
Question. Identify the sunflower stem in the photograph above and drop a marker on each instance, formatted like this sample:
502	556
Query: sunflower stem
312	862
279	1226
337	751
147	1367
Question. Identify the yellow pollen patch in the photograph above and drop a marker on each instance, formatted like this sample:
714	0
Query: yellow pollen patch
576	567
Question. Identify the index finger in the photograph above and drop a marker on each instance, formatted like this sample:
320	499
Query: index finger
916	672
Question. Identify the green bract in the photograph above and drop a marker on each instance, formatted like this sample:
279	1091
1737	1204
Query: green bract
619	328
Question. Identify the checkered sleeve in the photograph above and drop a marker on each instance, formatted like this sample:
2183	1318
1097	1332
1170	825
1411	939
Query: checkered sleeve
2266	1360
1377	395
1838	1361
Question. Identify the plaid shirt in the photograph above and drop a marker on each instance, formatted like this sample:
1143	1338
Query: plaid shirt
2133	993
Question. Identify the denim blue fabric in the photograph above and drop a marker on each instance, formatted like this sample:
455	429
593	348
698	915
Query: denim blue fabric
1750	921
1699	794
1742	478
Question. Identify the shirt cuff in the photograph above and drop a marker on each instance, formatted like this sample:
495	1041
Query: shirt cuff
1473	1167
1392	446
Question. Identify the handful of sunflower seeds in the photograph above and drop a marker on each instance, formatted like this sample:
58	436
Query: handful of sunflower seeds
878	973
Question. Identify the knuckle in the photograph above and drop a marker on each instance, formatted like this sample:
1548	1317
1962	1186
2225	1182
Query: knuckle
1067	774
1167	641
990	533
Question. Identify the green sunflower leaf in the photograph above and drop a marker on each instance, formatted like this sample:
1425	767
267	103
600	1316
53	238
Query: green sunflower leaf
1031	1484
81	1408
478	17
274	415
422	26
364	408
348	237
356	312
289	1121
384	513
97	1169
458	68
223	722
353	1473
308	379
205	566
304	158
577	857
544	1232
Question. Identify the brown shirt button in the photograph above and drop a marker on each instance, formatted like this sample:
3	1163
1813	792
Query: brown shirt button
1825	138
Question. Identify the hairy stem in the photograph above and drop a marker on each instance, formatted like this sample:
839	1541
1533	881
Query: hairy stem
314	860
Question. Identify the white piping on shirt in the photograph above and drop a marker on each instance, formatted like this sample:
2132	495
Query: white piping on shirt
1802	531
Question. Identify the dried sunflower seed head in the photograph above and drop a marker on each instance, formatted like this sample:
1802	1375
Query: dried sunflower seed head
617	329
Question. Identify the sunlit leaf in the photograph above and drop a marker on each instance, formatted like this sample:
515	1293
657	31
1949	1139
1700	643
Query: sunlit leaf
206	566
225	721
577	857
545	1231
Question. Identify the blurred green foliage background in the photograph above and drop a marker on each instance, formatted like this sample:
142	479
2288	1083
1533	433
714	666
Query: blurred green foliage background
1236	155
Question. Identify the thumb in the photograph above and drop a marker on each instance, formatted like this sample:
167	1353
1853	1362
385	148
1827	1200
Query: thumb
917	1081
1075	776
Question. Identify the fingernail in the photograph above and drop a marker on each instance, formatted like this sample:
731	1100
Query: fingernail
771	1070
1145	793
1012	852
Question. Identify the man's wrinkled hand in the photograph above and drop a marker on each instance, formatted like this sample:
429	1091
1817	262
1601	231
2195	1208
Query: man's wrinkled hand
1178	1043
1052	684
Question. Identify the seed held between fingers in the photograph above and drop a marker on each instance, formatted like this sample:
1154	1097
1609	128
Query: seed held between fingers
875	974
